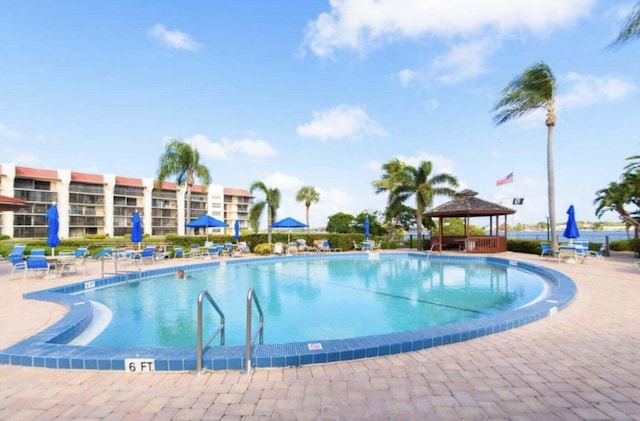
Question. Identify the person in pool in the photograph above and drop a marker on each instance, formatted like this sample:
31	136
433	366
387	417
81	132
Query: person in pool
181	274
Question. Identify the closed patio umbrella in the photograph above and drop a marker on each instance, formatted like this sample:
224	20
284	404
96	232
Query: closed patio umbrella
366	227
52	230
571	230
236	230
136	228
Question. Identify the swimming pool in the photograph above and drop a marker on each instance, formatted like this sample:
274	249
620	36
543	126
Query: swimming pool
313	300
49	348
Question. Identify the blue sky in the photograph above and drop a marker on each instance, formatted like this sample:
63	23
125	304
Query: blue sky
322	93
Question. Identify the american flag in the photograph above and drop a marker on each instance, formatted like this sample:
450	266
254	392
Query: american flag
507	179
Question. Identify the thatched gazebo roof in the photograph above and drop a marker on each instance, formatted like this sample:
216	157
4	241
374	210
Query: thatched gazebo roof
11	203
466	204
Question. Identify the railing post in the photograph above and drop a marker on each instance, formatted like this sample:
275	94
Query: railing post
248	369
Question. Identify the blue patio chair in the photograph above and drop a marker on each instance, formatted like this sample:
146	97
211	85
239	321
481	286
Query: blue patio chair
18	263
37	265
147	255
105	253
179	252
546	250
36	252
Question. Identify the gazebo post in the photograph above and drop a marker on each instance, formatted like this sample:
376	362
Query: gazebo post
440	233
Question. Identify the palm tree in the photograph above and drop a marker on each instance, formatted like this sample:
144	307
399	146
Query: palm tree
271	202
393	173
182	160
403	181
534	89
631	28
613	198
308	194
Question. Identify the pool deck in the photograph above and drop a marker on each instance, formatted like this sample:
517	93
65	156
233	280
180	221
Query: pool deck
582	363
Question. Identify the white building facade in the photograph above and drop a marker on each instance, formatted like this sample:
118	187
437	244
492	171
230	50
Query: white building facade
104	203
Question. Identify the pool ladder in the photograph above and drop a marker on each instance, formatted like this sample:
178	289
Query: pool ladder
220	330
251	298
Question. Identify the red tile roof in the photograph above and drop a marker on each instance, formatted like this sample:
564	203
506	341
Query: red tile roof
87	178
128	181
11	203
237	192
36	173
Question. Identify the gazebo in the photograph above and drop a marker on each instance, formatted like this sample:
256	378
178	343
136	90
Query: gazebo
466	205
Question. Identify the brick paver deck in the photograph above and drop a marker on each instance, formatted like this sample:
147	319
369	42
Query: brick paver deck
582	363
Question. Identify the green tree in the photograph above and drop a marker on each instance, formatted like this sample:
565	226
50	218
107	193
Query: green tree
182	160
308	195
534	89
403	181
341	223
271	202
631	28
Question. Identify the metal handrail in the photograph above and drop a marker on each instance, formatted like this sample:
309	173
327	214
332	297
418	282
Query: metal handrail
220	330
116	270
251	296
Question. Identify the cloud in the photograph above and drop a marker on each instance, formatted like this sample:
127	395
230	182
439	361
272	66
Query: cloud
283	181
226	149
341	122
590	90
360	25
9	134
406	76
440	163
174	39
464	61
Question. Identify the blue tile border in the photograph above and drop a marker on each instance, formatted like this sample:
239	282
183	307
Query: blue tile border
48	347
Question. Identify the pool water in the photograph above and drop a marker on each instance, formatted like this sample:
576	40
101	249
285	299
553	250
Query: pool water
313	299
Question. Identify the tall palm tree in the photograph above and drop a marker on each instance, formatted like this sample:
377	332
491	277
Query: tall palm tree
403	181
631	28
534	89
182	160
393	176
308	195
271	202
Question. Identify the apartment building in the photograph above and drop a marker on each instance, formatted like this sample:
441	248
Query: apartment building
104	203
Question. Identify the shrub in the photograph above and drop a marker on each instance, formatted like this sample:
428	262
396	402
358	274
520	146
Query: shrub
263	249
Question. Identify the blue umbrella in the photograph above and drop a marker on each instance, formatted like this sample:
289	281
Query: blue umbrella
288	223
206	221
52	230
136	228
571	230
366	227
236	230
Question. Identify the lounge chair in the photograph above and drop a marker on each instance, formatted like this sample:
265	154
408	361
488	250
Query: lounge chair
179	252
36	252
327	246
18	263
243	247
302	244
38	265
195	250
546	250
356	246
105	253
214	250
148	255
278	249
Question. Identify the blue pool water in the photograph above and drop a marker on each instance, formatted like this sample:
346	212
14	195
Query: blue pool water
314	299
